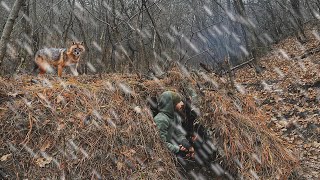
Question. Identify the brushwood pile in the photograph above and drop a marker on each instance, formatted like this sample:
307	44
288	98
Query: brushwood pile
102	127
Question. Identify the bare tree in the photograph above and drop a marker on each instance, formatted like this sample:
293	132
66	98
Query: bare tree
8	28
298	20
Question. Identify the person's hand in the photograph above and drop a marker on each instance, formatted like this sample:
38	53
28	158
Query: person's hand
191	149
190	155
189	99
183	149
194	138
185	143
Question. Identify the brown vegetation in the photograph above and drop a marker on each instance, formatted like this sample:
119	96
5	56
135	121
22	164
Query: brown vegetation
90	126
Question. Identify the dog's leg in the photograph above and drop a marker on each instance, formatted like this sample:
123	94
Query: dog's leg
77	64
41	72
38	65
60	70
35	67
73	69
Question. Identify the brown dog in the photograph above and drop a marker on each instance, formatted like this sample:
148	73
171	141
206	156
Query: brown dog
48	57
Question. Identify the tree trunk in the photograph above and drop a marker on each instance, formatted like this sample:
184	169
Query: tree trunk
253	35
83	66
143	56
112	33
299	20
34	33
238	4
311	9
24	55
9	27
25	21
104	42
228	40
70	22
275	28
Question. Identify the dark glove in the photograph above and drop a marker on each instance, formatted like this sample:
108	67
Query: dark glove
181	154
185	143
193	114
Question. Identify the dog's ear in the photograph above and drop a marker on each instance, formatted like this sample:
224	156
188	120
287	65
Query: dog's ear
82	48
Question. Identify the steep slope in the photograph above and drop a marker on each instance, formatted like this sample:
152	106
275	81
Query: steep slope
101	127
288	91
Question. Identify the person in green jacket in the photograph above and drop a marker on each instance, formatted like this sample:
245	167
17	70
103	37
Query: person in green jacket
169	123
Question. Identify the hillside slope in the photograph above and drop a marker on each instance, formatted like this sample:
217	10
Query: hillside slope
288	91
101	127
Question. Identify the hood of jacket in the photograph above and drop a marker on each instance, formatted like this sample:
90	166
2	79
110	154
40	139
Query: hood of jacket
165	104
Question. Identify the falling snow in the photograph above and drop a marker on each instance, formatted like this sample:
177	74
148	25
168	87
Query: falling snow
80	81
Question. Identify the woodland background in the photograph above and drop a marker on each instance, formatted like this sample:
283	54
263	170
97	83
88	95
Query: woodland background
142	35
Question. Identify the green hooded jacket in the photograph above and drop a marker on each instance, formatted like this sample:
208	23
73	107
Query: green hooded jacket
168	122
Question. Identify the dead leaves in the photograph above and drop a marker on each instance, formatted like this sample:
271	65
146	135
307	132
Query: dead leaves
57	114
45	145
120	165
293	100
43	97
129	153
42	162
60	99
5	157
61	125
314	144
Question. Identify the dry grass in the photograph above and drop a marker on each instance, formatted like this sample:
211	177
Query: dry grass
91	127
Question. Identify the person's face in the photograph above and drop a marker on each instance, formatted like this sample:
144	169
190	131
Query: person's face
179	107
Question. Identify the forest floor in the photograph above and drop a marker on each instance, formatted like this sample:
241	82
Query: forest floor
288	90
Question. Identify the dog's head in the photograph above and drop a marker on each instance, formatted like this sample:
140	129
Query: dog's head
77	48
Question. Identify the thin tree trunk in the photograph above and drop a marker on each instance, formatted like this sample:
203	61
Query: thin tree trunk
231	78
230	26
276	29
311	9
301	36
105	48
297	21
143	57
66	31
25	21
70	23
9	27
26	25
253	35
85	40
34	33
112	33
238	4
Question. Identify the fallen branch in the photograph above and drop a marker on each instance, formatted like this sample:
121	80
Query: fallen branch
310	52
307	53
241	65
205	67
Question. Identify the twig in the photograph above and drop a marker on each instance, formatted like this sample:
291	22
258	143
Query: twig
27	138
204	51
242	64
